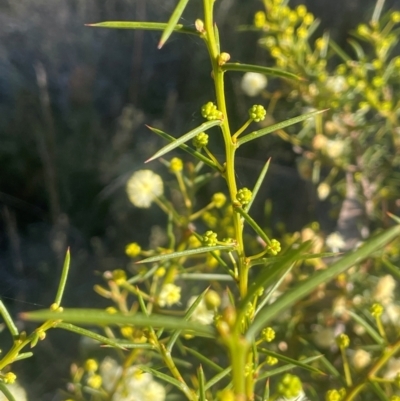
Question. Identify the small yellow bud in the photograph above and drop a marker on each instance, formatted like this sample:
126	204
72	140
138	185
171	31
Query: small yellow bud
94	381
133	249
9	378
199	24
176	165
119	276
91	365
223	58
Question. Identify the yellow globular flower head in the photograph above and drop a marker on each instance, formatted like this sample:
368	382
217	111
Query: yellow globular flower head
257	113
160	272
200	140
143	187
127	331
274	248
210	112
91	365
377	64
363	30
133	249
170	294
271	360
293	17
243	196
212	299
210	238
119	276
333	395
343	340
9	378
302	32
259	19
219	200
301	10
308	19
111	310
95	381
395	398
376	310
395	17
268	334
378	82
176	165
320	43
289	386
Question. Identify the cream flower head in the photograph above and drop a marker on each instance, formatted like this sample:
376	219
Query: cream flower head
143	187
253	83
170	294
201	314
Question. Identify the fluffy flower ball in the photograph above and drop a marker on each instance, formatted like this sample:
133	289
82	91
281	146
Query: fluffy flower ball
253	83
143	187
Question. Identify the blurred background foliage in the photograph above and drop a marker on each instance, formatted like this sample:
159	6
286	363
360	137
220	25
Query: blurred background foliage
73	104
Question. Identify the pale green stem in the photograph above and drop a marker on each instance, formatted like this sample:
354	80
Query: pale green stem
230	147
240	130
198	214
182	187
346	367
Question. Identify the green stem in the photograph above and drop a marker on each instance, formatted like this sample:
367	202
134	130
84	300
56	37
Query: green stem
230	147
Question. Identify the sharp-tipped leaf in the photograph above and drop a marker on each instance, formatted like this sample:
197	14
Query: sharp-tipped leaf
204	359
122	344
368	328
251	222
218	377
188	252
8	320
338	50
185	147
306	256
63	280
147	26
24	355
294	362
261	70
278	126
162	376
283	369
357	48
188	314
101	317
173	21
323	276
258	184
201	379
184	138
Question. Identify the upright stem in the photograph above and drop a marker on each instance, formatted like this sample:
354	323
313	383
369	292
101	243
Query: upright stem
230	147
238	346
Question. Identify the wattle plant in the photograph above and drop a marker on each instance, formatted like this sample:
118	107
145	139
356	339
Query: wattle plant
230	342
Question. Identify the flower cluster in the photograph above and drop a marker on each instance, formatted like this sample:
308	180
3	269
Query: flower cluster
143	187
210	112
